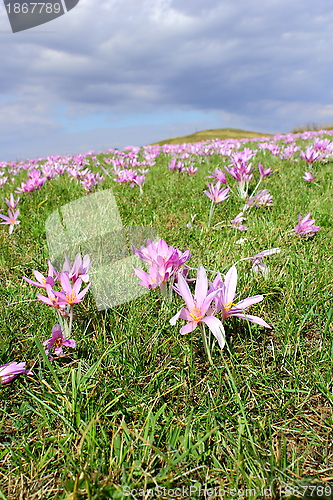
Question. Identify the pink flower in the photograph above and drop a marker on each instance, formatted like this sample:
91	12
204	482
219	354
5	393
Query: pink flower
52	300
79	269
237	222
57	341
167	259
262	199
198	306
308	177
216	194
42	282
155	278
264	173
310	155
70	295
11	202
191	169
218	175
9	371
165	262
305	226
11	219
225	296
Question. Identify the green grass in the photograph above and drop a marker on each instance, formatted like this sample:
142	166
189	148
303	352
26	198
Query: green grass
136	405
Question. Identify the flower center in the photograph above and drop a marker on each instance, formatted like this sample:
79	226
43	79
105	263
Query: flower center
228	306
71	297
195	313
58	342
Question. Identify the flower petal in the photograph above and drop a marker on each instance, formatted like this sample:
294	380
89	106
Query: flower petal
230	284
245	303
201	286
188	328
216	327
253	319
185	292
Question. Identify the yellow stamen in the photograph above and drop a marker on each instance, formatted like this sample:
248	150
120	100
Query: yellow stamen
228	306
71	297
195	313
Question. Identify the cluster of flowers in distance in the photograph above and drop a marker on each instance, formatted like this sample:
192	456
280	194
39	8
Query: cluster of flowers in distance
133	164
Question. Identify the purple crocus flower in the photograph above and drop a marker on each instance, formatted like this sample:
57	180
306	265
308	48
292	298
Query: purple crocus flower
160	254
262	199
198	306
308	177
11	202
219	175
57	341
52	300
224	299
191	170
216	194
9	371
157	277
11	219
70	294
310	155
264	173
164	262
305	226
237	222
42	282
79	269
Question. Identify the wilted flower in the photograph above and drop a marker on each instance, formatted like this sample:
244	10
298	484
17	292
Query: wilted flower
258	264
305	226
262	199
237	222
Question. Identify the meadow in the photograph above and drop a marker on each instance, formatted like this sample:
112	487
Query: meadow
136	409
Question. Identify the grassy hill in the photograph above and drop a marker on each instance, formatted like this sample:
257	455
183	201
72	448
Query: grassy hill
216	133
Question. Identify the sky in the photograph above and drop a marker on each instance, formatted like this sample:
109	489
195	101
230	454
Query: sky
113	73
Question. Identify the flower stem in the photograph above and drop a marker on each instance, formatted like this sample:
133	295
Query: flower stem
205	343
211	213
70	322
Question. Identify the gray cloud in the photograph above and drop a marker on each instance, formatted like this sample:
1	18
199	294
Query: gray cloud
259	64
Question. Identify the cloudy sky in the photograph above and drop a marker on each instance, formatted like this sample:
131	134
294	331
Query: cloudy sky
112	73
